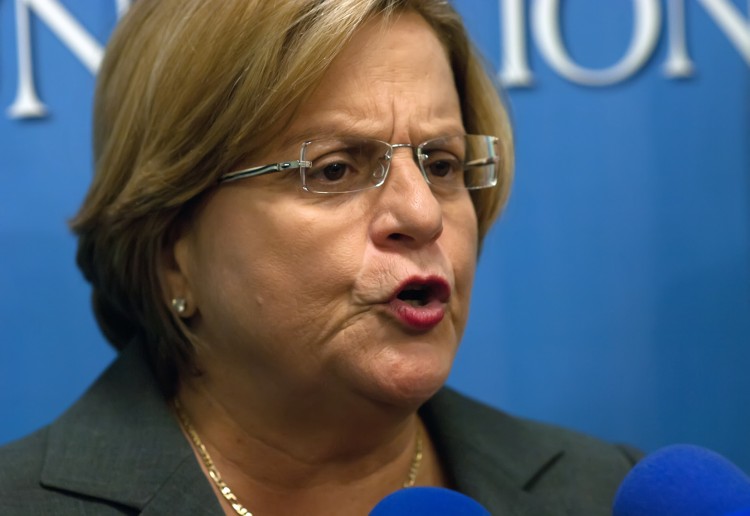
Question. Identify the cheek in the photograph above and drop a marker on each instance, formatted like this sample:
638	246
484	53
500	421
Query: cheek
276	261
461	243
460	218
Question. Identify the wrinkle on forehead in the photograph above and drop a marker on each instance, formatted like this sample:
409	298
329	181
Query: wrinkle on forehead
386	93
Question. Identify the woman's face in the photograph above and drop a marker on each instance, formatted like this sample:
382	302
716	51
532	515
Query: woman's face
295	291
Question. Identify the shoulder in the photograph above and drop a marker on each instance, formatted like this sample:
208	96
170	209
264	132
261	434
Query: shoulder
20	465
114	451
457	413
21	489
545	462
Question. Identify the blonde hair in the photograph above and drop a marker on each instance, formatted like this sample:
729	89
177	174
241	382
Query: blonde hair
190	88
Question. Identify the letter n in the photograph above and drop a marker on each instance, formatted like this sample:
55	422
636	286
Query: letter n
68	30
729	19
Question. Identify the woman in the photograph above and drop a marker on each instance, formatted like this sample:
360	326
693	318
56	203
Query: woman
281	237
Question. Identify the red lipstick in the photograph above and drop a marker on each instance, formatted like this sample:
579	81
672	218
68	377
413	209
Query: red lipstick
419	303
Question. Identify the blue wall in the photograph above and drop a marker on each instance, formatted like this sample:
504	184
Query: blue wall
613	297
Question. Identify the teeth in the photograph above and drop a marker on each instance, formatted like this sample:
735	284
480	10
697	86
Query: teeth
415	302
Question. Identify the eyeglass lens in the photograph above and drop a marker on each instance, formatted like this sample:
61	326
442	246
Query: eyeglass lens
351	164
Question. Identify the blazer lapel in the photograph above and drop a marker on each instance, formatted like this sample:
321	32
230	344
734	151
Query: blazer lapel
474	442
121	444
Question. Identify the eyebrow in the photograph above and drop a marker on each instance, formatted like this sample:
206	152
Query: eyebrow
320	131
308	133
338	126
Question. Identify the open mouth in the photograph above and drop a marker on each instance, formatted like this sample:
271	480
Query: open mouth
419	293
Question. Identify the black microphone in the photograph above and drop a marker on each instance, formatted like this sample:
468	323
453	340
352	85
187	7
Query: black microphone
428	501
684	480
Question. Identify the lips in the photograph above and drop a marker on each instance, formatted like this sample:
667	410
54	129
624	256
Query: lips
419	303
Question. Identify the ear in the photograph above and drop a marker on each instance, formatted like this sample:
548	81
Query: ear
175	276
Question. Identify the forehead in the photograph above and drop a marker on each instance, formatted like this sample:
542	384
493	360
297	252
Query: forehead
392	80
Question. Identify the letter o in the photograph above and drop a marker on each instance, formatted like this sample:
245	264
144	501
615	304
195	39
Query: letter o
546	31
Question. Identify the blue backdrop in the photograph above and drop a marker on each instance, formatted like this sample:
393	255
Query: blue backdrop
613	296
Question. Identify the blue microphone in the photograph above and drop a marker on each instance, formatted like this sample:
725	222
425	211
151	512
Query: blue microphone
428	501
684	480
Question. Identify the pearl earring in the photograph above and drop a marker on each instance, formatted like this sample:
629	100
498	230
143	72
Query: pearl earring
179	304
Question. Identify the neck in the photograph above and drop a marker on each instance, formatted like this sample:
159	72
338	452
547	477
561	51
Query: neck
302	454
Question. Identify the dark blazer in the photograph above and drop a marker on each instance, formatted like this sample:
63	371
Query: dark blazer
118	450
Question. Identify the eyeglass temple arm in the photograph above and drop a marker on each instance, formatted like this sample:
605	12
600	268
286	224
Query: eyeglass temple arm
492	160
263	169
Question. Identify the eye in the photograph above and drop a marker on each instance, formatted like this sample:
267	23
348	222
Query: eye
333	169
345	164
443	166
333	172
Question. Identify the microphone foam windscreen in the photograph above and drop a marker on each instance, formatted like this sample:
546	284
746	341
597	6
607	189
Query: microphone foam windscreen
424	501
683	480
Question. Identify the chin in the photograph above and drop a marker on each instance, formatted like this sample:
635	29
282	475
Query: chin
409	381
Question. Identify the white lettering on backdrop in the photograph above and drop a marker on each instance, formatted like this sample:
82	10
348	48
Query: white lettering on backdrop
27	103
545	25
515	71
545	29
729	19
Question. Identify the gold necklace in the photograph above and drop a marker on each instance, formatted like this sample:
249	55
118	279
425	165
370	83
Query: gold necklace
227	493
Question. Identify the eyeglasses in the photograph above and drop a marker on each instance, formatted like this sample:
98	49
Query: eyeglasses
350	164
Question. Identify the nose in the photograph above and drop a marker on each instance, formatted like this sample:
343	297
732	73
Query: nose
407	213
